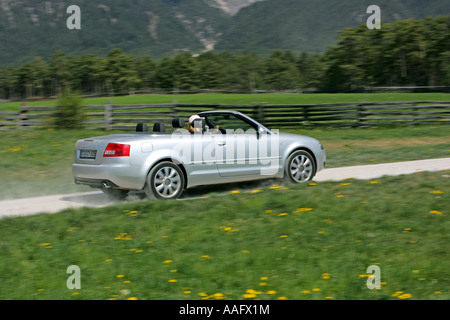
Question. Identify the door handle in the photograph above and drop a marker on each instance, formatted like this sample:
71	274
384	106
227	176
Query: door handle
221	144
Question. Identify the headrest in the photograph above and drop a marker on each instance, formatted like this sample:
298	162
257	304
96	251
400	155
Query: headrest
199	123
177	123
159	127
141	127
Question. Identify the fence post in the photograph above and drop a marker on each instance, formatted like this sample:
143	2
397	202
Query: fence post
415	114
22	117
360	116
108	116
305	115
259	113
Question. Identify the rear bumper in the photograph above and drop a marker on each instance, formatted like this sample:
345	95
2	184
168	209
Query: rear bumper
113	176
96	183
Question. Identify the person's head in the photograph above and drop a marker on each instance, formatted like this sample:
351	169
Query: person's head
191	122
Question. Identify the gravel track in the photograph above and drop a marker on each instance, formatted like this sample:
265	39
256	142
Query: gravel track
56	203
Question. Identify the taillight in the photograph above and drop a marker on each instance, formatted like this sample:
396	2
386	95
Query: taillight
117	150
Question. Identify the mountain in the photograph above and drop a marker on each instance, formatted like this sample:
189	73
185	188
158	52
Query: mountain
304	25
30	28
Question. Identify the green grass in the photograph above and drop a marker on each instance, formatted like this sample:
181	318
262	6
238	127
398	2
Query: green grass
297	242
245	99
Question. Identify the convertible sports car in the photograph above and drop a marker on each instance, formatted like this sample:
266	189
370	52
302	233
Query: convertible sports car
220	147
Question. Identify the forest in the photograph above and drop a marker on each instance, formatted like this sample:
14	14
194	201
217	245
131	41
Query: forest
402	53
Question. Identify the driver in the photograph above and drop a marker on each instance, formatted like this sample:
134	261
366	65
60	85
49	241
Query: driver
191	123
192	129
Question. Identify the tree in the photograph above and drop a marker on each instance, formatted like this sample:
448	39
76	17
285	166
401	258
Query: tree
281	72
69	112
185	70
120	72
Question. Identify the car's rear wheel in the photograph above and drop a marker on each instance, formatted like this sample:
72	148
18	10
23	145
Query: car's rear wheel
300	167
165	181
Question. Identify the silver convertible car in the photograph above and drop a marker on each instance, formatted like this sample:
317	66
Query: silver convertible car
219	147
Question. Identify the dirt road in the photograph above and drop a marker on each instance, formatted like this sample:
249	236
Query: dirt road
56	203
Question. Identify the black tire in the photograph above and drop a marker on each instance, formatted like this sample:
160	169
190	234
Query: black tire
115	193
164	181
300	167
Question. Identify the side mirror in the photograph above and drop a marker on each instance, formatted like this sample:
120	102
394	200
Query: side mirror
261	131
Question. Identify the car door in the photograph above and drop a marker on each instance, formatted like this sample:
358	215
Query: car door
236	146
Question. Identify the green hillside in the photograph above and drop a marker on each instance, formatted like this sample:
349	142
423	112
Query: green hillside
34	28
312	26
31	28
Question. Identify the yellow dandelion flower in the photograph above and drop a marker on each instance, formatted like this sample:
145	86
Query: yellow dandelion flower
306	291
173	280
282	298
218	295
375	181
120	276
439	213
133	298
271	292
263	278
405	296
283	214
167	261
252	291
316	289
437	192
345	184
256	191
249	295
234	191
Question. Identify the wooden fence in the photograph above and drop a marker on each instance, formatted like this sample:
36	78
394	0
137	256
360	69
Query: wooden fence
125	117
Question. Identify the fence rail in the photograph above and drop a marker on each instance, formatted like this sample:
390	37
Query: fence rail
111	116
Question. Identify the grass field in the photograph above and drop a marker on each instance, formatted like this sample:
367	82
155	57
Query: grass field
282	242
245	99
312	241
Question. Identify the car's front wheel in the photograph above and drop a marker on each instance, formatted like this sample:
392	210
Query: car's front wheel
165	181
300	167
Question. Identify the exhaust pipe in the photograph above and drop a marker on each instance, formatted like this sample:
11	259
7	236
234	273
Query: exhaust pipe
105	185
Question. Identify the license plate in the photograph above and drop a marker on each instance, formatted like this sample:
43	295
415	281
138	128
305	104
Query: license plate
88	154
